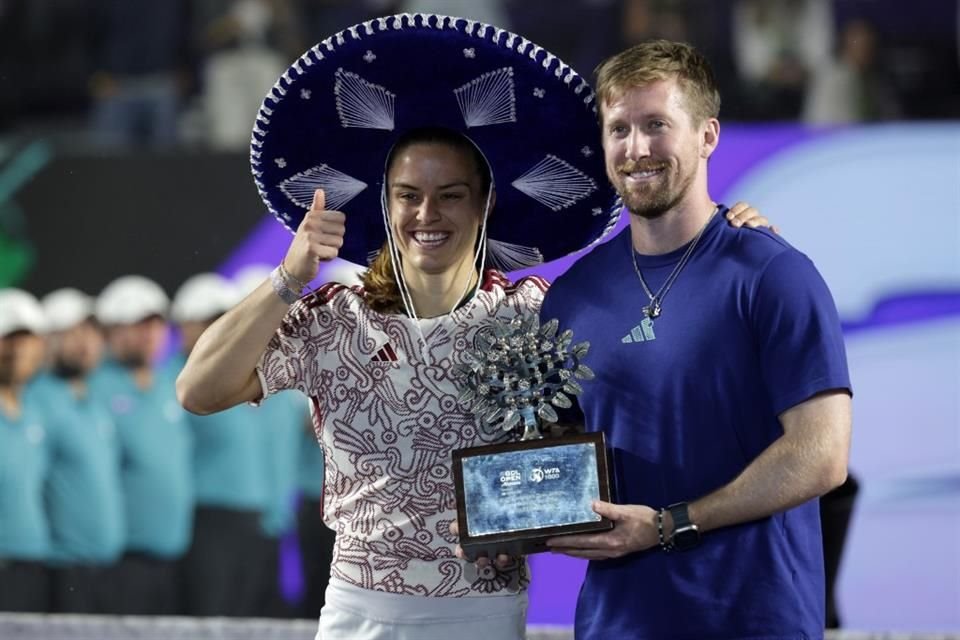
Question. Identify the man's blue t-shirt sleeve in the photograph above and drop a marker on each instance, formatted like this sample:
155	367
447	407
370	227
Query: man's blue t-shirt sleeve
797	326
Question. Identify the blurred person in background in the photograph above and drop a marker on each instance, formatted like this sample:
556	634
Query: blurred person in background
851	87
647	19
777	44
84	499
141	71
24	458
491	12
230	484
324	17
582	33
155	446
244	46
281	425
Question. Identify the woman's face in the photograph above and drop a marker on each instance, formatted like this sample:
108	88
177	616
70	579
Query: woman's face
436	202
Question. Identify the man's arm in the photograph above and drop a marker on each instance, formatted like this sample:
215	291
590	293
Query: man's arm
221	369
809	459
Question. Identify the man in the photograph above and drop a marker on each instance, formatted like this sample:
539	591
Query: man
83	494
229	474
24	458
721	386
155	447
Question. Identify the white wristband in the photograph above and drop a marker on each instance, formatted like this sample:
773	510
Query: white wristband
280	286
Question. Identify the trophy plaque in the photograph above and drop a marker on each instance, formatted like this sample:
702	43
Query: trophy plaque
512	497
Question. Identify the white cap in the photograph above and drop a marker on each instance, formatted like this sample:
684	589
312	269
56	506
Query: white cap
250	277
203	297
66	308
20	311
130	299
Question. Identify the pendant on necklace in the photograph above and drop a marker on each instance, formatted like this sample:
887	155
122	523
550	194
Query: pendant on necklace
652	310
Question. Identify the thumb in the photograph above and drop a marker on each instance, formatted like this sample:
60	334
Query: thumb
319	201
607	510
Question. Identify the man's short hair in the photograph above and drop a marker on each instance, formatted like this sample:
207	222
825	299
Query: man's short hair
656	60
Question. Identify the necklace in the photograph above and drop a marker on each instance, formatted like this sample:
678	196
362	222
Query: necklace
653	309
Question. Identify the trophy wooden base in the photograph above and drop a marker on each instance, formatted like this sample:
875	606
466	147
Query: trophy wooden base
512	497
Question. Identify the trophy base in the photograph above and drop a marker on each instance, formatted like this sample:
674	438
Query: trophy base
511	498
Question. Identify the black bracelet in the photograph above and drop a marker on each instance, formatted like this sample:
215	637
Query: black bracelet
666	546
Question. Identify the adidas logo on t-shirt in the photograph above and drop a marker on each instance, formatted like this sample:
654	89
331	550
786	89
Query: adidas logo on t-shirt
385	354
643	332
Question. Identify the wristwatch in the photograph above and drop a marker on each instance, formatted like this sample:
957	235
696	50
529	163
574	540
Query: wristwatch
685	534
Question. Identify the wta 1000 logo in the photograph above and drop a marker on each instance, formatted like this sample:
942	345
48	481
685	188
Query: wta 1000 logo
513	477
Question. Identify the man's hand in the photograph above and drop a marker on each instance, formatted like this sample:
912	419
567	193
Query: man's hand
634	529
319	237
503	560
742	214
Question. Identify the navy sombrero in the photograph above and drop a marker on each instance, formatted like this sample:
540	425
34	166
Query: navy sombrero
333	116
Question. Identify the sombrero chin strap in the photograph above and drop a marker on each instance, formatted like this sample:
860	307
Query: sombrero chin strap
405	294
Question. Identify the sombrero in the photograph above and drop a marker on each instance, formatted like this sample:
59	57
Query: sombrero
331	119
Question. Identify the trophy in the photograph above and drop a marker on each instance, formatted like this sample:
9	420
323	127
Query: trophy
512	497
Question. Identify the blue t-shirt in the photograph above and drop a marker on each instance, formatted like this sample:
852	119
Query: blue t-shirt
748	330
229	470
83	494
155	448
283	418
24	460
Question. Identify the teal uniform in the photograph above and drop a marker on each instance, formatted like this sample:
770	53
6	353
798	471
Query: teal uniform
156	450
83	495
282	420
229	470
24	463
310	468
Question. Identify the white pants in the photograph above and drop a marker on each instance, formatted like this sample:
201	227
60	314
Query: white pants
352	613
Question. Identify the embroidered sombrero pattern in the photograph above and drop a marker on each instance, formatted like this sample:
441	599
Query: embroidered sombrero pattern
332	117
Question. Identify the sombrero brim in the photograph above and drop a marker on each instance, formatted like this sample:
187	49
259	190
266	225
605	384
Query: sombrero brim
331	119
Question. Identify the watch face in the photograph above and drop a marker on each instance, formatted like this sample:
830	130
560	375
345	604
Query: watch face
685	538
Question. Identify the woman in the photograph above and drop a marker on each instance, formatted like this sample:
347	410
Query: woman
375	359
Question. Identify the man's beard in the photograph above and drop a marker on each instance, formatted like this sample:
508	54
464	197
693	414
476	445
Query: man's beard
134	360
68	370
652	200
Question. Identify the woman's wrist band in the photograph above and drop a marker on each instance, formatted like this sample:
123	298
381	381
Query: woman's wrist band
292	282
280	281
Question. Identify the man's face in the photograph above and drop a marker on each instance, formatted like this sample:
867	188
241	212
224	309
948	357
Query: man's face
653	151
77	350
137	345
21	354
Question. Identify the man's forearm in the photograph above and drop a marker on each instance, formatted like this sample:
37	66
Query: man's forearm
806	462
